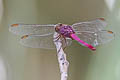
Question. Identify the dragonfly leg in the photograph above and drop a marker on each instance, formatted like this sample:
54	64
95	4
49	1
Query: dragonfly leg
58	37
62	44
62	37
65	42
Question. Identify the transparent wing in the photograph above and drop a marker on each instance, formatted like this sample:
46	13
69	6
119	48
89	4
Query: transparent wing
40	41
104	36
25	29
93	25
96	38
87	36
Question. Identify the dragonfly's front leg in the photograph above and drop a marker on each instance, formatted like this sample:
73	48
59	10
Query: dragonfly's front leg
65	42
64	39
58	37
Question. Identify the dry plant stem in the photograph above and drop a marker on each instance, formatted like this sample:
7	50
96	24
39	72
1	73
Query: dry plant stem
63	63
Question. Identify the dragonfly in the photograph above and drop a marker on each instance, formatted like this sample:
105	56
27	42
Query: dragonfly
88	33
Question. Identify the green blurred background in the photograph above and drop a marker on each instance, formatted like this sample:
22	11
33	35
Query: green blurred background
23	63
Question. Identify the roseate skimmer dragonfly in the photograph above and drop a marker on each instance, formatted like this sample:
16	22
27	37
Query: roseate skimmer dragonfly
90	34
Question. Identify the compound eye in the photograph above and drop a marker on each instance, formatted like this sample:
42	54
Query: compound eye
57	28
60	24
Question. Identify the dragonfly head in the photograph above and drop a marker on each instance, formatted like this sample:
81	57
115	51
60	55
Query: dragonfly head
57	27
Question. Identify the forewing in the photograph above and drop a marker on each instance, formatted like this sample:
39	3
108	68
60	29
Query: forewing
26	29
93	25
40	41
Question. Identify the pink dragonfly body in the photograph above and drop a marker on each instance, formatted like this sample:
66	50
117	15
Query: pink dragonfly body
82	42
67	31
89	34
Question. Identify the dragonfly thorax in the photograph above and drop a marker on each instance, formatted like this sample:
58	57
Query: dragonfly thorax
65	30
